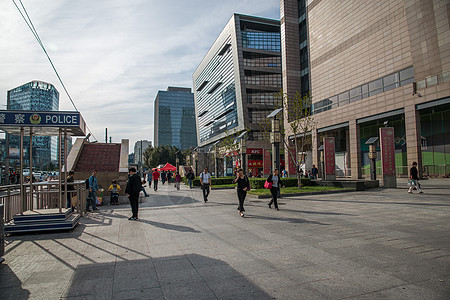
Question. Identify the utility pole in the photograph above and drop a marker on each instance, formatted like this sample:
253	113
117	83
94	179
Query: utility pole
106	135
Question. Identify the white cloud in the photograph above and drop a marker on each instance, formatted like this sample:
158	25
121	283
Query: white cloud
114	55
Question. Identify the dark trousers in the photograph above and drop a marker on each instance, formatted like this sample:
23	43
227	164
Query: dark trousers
241	197
155	184
274	192
205	188
134	202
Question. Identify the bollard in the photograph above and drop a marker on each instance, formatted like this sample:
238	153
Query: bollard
2	234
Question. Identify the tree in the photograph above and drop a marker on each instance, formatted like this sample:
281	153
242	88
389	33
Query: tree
163	154
300	122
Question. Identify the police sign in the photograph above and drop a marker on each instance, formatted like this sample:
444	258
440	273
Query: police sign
40	119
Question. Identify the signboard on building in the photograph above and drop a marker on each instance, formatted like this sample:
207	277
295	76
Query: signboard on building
329	156
267	162
387	150
255	151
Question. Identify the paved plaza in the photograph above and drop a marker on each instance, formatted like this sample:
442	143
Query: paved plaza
377	244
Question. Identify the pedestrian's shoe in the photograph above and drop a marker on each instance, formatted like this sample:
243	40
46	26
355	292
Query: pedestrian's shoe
242	214
131	218
277	208
270	205
96	208
420	192
409	192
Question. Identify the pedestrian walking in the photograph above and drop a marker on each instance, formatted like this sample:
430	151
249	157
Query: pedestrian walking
155	176
243	185
177	180
143	188
205	179
414	179
134	186
163	177
169	177
93	188
149	178
70	189
314	172
114	188
190	177
276	182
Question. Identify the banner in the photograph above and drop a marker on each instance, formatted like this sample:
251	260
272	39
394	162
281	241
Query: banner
387	150
267	162
40	119
329	155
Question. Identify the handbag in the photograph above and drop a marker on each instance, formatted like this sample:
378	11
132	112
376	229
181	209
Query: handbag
268	185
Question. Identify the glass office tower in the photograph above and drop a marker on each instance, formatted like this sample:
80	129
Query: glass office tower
38	96
174	121
236	83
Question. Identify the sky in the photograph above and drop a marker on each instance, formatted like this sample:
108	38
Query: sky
114	55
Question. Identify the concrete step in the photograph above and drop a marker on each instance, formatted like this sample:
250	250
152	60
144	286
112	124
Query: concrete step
44	224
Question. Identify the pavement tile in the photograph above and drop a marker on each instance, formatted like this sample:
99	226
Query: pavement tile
147	293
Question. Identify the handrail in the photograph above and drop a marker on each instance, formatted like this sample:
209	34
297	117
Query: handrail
44	195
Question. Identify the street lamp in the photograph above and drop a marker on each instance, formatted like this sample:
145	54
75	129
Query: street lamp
216	158
322	162
373	156
196	161
275	138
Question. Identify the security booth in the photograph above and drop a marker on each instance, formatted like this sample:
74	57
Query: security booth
28	205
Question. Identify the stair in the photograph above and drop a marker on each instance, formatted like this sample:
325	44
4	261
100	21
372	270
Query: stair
43	220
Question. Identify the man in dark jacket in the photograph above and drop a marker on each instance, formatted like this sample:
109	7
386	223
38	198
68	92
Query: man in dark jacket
134	186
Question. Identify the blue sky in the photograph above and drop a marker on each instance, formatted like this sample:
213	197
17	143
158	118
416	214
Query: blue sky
114	56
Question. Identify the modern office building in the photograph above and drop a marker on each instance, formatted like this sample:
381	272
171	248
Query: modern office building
369	63
235	85
139	149
38	96
174	119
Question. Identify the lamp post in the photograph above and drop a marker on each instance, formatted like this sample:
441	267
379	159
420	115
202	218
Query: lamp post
216	156
196	161
373	157
243	155
322	162
275	139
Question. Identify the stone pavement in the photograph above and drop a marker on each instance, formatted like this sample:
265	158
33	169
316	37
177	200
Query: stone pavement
378	244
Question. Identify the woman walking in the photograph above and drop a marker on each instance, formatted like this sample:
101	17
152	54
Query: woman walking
243	185
276	182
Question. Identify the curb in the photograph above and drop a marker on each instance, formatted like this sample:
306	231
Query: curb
303	194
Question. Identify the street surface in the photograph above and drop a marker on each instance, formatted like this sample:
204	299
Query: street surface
377	244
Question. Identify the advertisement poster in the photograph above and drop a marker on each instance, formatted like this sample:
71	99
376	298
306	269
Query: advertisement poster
267	162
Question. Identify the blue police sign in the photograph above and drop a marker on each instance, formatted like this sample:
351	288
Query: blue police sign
38	119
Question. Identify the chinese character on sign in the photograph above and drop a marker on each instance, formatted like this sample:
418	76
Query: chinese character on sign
19	118
2	118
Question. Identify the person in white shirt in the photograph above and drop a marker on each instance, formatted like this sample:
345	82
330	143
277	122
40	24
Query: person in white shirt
205	179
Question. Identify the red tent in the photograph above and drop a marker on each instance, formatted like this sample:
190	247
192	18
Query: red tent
168	167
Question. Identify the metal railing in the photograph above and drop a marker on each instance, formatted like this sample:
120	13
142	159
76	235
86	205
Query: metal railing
44	195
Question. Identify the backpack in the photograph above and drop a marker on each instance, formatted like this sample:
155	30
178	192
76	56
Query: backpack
87	183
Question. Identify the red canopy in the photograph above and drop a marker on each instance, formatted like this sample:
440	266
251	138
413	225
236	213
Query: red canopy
168	167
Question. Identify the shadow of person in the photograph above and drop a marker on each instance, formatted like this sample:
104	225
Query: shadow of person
289	220
10	284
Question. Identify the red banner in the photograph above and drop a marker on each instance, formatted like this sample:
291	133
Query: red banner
387	150
292	169
267	162
329	155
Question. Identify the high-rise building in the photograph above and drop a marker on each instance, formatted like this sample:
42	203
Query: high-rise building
235	85
36	96
174	119
372	63
139	149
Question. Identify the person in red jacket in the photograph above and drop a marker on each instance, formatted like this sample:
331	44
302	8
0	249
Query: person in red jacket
155	177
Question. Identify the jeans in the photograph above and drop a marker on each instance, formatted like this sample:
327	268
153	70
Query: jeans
145	193
205	189
274	192
155	184
190	183
241	196
91	200
414	184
